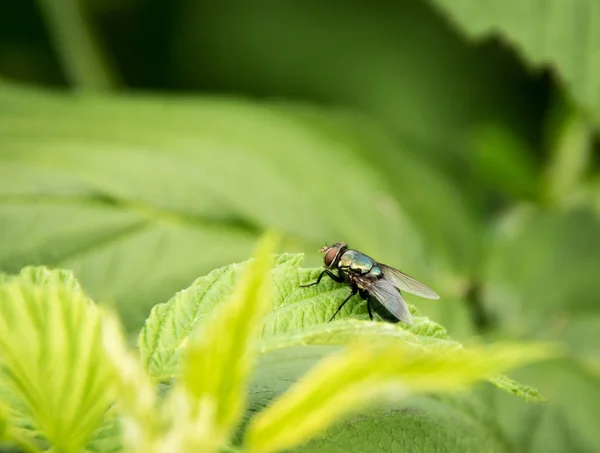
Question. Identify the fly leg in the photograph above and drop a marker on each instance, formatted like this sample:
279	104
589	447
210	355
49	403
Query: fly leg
335	278
354	291
365	295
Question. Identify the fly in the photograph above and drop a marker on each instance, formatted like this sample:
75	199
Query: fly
377	283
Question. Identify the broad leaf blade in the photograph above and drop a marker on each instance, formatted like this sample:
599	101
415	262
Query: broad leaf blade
343	382
299	317
207	189
169	325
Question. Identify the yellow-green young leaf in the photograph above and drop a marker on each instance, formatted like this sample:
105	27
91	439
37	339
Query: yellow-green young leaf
109	437
10	434
4	411
136	397
53	367
346	381
209	399
41	275
349	330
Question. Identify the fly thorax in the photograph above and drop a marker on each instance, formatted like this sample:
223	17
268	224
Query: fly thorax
356	262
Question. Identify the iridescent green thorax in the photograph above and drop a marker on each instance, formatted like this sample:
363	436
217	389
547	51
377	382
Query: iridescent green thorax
356	262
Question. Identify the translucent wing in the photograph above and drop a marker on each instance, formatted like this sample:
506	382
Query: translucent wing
406	283
381	310
390	298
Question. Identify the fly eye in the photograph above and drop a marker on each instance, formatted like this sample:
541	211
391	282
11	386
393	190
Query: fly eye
330	256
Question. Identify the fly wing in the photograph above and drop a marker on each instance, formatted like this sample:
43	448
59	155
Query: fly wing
381	310
406	283
390	298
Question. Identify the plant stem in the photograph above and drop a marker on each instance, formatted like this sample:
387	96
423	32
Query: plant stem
482	321
570	142
84	62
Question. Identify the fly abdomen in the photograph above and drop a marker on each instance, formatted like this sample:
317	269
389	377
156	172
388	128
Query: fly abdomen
376	272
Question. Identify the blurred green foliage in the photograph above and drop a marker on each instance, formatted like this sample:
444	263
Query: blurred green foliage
144	143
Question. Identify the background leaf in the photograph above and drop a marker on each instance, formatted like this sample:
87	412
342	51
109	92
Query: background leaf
504	160
526	292
167	218
398	63
571	142
552	33
77	44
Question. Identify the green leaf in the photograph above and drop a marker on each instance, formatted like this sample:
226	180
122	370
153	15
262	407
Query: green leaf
447	229
108	438
541	276
565	423
293	259
428	424
11	434
505	162
348	44
299	317
166	330
48	329
509	385
342	332
571	143
548	33
213	178
3	420
541	282
48	278
169	324
209	398
348	380
423	426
